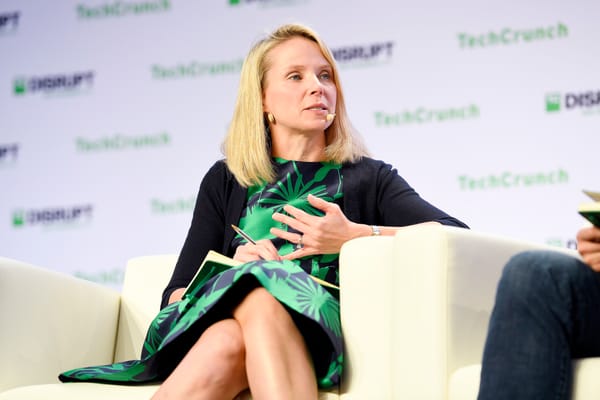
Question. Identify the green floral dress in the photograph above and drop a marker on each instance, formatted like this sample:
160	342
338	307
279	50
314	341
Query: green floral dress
314	309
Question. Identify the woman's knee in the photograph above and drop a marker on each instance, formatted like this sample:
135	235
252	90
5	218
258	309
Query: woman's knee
215	364
259	304
225	339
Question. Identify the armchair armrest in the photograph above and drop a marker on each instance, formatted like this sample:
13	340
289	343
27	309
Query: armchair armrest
415	307
51	322
145	279
366	265
446	282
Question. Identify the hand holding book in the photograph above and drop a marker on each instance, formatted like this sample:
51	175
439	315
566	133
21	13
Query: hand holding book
215	263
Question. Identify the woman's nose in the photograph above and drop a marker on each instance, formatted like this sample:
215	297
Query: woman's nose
316	86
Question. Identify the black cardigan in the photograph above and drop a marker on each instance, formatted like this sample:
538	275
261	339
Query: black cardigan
374	194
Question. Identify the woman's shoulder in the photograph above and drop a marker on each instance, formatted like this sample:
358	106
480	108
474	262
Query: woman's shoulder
218	172
219	167
368	163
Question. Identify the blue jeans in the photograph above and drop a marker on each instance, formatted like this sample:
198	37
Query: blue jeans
547	312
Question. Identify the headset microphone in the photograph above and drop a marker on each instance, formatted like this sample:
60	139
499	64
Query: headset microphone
330	117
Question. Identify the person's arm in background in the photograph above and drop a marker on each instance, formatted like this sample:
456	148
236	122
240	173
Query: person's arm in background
588	245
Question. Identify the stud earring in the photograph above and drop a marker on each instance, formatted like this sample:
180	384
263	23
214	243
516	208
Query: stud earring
271	118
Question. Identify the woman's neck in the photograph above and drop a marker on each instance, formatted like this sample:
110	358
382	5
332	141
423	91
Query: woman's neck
299	147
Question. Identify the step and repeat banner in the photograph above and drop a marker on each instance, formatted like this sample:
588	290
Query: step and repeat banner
113	110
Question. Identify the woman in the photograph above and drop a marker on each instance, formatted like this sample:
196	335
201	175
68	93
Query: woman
298	180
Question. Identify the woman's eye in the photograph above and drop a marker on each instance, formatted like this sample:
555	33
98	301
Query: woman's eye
325	76
294	77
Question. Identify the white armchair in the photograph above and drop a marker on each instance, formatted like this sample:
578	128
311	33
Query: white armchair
428	320
415	309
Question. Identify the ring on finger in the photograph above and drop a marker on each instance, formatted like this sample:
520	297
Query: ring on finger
300	245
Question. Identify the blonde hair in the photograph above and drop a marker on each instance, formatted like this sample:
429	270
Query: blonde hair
246	146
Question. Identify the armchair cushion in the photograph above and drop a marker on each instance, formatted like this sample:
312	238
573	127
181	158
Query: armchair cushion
464	383
51	322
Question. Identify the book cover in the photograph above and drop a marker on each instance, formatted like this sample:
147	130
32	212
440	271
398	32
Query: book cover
592	195
591	210
215	263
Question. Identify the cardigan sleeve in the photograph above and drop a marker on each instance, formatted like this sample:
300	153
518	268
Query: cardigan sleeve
402	205
377	194
206	231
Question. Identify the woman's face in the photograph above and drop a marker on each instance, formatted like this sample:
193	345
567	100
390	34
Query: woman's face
299	89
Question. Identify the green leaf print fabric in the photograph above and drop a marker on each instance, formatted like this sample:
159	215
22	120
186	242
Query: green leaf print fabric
315	311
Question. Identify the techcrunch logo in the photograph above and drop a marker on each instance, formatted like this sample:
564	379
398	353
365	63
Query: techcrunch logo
122	142
583	100
8	153
51	84
172	206
378	52
9	22
559	242
122	9
423	115
112	277
509	180
195	69
52	216
510	36
267	3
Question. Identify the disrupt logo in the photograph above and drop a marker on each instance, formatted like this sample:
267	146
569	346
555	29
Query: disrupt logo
122	8
509	180
53	216
510	36
570	101
267	3
51	84
172	206
195	69
9	21
122	142
378	52
423	115
8	153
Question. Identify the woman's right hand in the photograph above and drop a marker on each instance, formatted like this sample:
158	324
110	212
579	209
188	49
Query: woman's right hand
262	250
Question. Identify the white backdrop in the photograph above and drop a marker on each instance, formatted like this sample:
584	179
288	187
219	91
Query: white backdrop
112	111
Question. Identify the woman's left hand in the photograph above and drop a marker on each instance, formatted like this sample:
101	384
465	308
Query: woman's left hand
318	234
